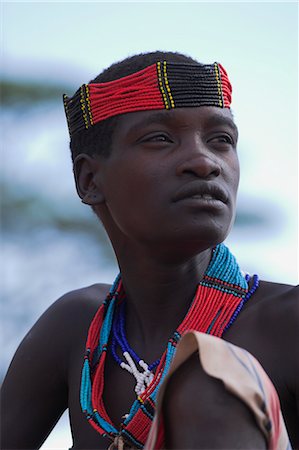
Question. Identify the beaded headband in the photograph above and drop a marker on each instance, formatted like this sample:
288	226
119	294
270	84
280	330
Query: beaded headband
162	85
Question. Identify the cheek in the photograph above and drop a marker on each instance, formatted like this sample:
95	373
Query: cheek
139	180
233	173
131	195
237	173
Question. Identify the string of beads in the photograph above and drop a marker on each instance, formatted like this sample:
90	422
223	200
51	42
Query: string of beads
162	85
143	379
218	300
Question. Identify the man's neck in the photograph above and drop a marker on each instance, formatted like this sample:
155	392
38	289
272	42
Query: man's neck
158	295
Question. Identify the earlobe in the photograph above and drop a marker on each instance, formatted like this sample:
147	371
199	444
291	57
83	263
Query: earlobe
92	199
87	175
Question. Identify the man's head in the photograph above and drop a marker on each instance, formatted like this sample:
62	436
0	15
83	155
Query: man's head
165	178
97	138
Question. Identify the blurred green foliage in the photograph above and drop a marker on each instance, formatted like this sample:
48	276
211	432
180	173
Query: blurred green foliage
24	211
14	92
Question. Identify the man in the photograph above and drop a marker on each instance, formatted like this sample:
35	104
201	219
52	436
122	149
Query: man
154	149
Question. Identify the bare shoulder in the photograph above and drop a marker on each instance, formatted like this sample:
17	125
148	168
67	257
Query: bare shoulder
273	313
84	301
42	364
279	289
61	326
86	296
269	318
275	298
72	313
283	309
278	298
79	303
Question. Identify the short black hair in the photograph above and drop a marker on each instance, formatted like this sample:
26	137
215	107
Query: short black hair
97	139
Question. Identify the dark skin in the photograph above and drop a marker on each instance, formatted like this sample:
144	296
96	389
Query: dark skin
163	245
215	413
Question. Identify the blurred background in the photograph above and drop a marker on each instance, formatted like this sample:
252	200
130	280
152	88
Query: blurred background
50	242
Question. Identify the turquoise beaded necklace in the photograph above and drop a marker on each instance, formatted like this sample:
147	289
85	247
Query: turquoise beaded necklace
219	298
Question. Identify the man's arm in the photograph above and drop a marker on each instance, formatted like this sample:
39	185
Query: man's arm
293	323
34	392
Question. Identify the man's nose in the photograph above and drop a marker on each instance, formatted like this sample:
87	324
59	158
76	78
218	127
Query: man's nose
198	160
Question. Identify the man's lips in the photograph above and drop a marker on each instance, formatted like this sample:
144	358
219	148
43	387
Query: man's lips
201	190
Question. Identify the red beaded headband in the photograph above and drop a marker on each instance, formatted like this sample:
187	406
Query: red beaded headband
162	85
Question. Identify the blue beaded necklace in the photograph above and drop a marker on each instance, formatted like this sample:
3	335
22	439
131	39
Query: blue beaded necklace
219	298
119	339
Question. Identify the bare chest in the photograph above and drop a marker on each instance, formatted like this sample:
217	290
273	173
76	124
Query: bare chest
118	398
249	332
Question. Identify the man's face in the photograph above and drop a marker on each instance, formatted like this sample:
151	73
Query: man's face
172	176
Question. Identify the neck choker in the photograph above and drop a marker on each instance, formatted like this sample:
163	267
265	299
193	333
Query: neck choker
218	300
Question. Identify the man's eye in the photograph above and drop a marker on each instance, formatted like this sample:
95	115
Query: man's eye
222	139
156	138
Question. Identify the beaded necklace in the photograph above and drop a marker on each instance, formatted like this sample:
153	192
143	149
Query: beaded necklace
131	360
143	379
218	300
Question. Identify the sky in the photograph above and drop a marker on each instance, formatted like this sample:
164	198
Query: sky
257	42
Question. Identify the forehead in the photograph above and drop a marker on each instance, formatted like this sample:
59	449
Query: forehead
195	116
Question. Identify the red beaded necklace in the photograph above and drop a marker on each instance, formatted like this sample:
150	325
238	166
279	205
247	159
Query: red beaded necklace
219	295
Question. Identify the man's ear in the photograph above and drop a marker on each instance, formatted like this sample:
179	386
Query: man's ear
87	179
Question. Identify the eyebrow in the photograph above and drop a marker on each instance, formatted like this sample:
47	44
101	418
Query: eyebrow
166	117
216	120
154	118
